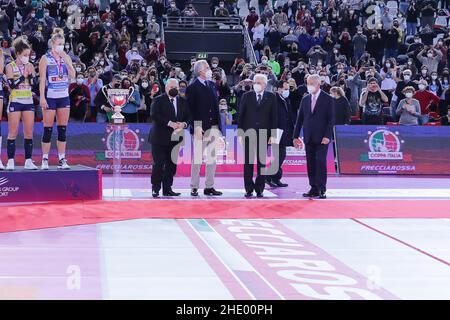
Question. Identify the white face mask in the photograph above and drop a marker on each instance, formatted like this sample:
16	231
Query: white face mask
424	72
208	75
144	85
264	61
60	48
25	60
80	80
78	69
421	87
311	89
350	78
407	77
408	94
285	93
388	65
257	88
214	65
434	77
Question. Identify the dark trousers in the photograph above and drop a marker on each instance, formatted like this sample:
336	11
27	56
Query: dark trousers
281	156
164	168
250	152
316	163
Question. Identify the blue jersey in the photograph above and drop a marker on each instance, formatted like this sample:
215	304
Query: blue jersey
57	77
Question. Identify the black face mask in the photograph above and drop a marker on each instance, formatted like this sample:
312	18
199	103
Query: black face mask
173	92
117	85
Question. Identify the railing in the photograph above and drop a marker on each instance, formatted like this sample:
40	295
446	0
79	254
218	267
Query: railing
248	45
202	23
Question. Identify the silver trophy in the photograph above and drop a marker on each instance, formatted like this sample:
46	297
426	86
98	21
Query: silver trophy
117	99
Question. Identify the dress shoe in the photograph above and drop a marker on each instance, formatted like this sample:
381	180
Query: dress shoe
194	192
211	192
271	184
280	184
249	194
259	195
310	194
155	194
170	193
322	195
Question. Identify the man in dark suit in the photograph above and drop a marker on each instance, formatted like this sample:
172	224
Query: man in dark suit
203	105
170	116
316	117
285	123
257	126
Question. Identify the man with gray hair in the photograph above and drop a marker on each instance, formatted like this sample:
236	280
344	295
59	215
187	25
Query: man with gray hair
257	126
203	105
316	117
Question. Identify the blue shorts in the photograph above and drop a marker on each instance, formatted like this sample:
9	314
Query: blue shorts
16	107
56	103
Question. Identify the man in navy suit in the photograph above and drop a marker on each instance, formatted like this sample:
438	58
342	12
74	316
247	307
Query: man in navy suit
206	128
170	117
316	117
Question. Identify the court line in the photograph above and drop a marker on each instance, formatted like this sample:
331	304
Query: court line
237	289
402	242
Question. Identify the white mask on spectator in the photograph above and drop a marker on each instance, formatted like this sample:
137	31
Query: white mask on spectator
407	77
208	75
257	88
144	85
311	89
350	78
408	94
421	87
285	93
80	81
214	65
78	69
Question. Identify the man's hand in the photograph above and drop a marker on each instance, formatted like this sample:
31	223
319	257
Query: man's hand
298	143
173	125
180	125
107	109
325	141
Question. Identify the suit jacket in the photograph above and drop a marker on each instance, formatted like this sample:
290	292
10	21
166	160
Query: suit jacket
203	104
285	120
318	124
162	112
254	116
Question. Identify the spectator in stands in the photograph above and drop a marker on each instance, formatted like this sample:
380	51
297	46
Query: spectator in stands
342	106
426	98
251	18
372	101
445	120
80	99
409	108
432	59
221	11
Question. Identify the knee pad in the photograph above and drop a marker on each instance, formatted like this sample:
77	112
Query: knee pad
47	137
62	133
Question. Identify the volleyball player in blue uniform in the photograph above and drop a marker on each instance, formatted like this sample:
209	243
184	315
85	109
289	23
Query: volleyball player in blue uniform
21	77
55	70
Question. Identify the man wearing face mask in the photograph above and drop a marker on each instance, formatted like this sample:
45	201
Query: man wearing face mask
426	98
432	59
257	121
170	114
316	116
204	108
79	99
285	123
216	69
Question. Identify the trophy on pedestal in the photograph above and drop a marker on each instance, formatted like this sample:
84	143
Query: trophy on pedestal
117	99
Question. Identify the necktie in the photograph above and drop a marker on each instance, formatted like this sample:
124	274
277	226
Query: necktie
258	100
174	107
313	103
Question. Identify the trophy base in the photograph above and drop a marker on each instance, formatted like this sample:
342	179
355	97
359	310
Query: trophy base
118	121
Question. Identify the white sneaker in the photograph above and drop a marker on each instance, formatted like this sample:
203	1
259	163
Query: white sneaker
2	167
29	165
10	165
63	165
44	165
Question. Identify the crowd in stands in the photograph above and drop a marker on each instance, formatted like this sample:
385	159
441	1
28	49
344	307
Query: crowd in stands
383	61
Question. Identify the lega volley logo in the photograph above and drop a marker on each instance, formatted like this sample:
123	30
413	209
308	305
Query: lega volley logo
130	144
384	145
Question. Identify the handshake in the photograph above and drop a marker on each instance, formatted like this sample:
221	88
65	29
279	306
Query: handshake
177	125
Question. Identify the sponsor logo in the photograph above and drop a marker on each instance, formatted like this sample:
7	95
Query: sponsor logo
129	144
5	188
384	145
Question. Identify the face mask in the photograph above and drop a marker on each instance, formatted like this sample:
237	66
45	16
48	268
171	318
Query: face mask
257	87
208	75
173	92
80	81
264	61
33	15
424	72
408	94
388	65
25	60
340	70
434	77
350	78
311	89
214	65
78	69
182	90
46	14
421	87
285	93
144	85
407	77
409	62
108	24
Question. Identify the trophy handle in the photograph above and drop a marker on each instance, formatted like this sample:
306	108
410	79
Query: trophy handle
106	94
